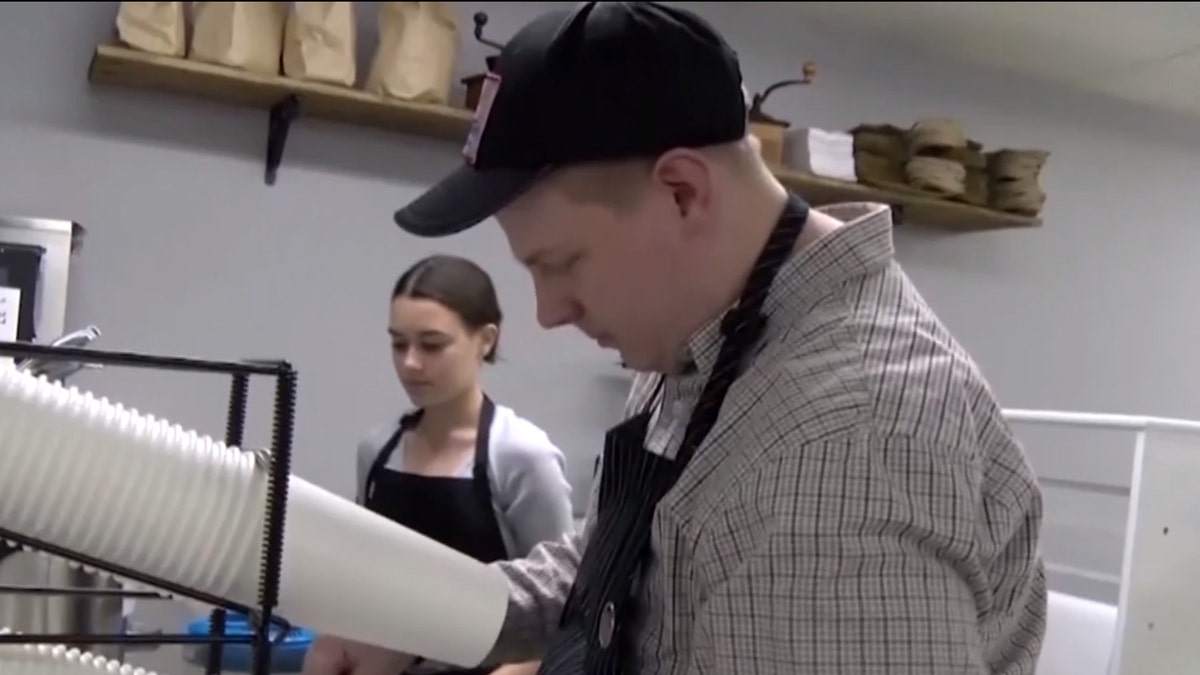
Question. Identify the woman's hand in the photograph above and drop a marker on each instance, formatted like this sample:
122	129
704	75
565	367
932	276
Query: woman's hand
329	655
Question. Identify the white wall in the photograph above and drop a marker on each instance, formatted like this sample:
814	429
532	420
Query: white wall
191	254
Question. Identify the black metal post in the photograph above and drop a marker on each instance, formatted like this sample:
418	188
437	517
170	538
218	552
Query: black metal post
235	432
277	491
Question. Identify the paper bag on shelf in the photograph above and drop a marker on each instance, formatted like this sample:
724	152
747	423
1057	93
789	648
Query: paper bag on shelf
155	27
244	35
937	175
319	42
1013	181
418	45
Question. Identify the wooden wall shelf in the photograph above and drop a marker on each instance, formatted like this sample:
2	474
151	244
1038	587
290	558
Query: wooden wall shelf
285	98
907	207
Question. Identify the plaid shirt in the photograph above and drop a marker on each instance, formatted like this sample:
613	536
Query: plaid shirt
860	506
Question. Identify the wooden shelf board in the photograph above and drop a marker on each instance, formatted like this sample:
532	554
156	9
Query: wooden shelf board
121	66
918	209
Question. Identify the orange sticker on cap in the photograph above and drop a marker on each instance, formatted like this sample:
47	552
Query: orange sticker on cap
491	84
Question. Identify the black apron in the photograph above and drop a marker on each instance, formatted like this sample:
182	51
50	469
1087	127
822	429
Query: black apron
594	631
454	511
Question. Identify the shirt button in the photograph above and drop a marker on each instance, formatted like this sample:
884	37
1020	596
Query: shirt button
608	625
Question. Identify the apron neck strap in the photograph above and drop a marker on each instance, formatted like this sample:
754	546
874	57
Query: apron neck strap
743	326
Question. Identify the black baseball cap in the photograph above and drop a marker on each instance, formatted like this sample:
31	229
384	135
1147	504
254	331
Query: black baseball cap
605	81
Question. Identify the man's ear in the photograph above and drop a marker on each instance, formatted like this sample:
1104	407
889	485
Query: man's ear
688	176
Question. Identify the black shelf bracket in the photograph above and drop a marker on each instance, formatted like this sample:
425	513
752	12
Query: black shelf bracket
282	115
897	214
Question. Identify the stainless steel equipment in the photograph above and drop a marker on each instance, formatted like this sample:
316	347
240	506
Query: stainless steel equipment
51	610
52	243
59	371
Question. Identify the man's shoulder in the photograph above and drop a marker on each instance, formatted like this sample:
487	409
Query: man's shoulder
891	366
893	382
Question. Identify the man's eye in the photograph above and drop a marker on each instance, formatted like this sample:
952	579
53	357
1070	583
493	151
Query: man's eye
563	266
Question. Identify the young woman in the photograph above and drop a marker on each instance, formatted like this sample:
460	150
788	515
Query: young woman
458	467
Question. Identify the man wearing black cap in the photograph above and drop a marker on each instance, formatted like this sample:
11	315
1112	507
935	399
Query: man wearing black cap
813	476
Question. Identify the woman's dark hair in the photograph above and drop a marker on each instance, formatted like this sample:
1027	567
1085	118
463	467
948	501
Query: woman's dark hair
457	284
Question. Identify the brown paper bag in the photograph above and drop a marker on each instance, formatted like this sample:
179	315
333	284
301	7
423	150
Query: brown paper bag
318	43
155	27
418	46
245	35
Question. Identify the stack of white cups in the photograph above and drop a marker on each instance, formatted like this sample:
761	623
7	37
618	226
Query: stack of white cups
21	659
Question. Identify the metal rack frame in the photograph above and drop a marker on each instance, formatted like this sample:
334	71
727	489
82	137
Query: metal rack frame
262	616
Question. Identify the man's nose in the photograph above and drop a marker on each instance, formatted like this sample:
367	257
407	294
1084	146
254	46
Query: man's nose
554	310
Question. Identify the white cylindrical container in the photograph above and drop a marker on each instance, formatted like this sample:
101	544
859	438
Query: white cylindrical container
141	493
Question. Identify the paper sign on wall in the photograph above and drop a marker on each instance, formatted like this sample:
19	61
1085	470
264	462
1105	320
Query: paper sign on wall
10	311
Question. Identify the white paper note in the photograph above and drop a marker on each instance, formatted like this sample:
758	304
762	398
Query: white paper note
10	306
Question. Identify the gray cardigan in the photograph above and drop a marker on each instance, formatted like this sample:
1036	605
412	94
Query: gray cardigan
530	493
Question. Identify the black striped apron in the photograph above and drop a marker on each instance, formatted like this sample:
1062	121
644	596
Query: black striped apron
593	636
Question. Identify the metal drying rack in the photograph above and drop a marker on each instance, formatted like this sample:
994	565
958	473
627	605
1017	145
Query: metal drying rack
280	459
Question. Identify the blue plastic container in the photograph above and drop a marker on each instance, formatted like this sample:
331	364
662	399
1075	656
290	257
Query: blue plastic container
288	656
